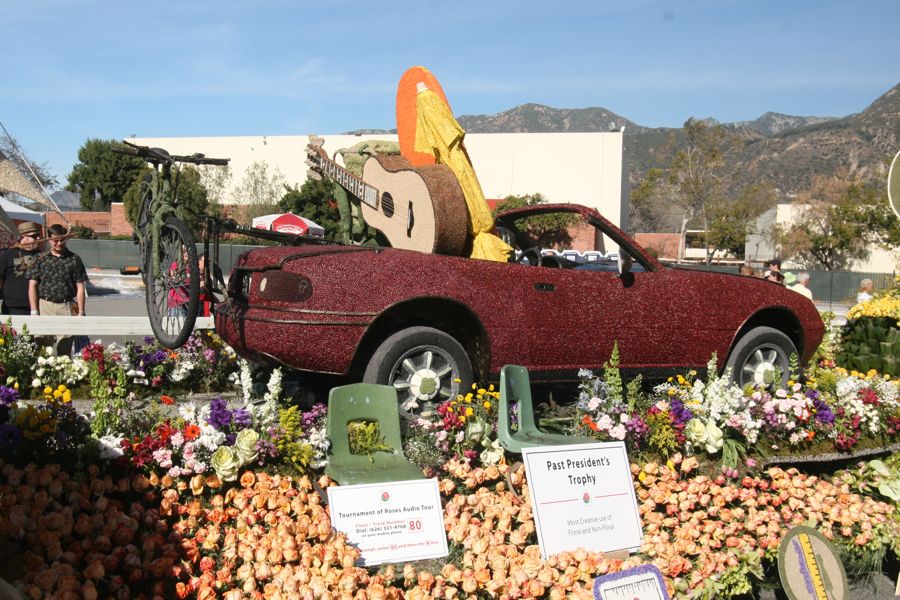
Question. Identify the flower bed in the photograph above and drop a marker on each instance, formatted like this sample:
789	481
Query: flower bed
163	498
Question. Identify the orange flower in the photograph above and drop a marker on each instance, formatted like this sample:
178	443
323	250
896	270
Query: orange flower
167	400
207	564
191	432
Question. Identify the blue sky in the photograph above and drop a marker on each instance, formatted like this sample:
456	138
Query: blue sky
78	69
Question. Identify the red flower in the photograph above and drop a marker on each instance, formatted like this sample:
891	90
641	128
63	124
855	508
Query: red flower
191	432
167	400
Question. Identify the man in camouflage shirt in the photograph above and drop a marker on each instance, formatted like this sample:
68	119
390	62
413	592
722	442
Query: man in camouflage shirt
56	286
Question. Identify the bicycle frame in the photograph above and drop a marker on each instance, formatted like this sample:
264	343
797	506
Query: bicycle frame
159	203
160	209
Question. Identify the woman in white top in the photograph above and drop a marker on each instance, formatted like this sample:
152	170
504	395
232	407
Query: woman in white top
865	291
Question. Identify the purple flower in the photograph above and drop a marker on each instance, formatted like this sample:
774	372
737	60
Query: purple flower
209	355
153	357
219	415
823	412
266	452
8	396
637	428
241	418
10	436
680	413
310	418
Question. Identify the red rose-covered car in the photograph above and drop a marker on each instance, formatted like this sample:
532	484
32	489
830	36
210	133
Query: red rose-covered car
430	325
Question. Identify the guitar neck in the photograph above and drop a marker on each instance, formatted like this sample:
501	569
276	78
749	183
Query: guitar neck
350	182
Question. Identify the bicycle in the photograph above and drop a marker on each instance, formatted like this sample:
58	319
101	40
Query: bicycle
169	259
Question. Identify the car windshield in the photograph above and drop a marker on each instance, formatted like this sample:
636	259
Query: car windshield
554	235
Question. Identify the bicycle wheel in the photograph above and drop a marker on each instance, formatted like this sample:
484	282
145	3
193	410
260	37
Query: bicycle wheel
173	283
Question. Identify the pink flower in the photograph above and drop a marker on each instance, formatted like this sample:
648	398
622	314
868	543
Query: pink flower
163	456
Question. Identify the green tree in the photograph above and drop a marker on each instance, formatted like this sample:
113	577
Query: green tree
696	184
652	204
837	223
314	200
546	231
729	224
101	175
260	191
190	193
217	180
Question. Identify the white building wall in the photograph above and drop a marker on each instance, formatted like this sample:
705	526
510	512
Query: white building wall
759	247
585	168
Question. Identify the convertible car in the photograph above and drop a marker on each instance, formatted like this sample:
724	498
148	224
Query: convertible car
430	325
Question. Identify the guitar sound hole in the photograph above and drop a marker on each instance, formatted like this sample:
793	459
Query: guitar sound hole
387	205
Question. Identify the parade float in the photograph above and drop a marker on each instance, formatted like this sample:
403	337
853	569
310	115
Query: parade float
147	490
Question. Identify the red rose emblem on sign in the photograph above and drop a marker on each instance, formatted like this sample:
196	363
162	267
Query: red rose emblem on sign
385	496
586	498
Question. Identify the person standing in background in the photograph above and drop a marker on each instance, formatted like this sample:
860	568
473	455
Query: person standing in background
866	287
773	265
802	285
774	276
14	265
56	286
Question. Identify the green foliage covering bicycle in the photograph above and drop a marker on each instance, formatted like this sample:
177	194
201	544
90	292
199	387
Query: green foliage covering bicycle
169	256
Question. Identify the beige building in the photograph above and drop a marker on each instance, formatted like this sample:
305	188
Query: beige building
584	168
760	247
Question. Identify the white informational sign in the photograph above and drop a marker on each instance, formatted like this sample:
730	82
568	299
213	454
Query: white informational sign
394	521
583	497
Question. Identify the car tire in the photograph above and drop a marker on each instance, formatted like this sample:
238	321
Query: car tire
760	351
426	366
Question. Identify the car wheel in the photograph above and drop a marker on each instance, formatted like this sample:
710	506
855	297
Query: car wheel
426	366
758	354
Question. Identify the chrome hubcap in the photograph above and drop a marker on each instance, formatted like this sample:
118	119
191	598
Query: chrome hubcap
760	365
423	377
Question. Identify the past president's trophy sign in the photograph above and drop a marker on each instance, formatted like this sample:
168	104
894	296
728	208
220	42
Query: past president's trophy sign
583	497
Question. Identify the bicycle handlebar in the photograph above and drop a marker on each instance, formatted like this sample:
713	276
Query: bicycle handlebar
159	155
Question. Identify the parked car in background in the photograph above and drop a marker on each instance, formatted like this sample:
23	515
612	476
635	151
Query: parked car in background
430	325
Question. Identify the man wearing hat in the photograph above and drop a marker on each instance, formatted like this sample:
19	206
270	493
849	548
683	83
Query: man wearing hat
57	284
14	265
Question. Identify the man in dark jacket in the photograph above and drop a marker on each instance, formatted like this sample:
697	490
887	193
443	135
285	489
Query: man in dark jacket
14	265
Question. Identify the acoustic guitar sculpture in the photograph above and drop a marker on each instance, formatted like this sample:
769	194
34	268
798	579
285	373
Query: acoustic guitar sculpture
416	208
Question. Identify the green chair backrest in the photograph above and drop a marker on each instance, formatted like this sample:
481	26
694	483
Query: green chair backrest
362	402
515	386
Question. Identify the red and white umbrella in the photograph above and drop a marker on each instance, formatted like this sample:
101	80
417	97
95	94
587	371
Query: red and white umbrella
289	223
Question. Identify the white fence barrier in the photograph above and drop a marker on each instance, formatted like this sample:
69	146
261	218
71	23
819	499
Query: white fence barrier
90	325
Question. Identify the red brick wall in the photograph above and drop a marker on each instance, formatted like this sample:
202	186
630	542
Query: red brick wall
665	244
118	224
112	222
98	221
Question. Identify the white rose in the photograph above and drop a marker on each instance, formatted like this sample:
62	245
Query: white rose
715	439
226	462
245	445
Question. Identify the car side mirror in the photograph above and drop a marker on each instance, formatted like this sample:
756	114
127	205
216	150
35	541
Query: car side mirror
624	262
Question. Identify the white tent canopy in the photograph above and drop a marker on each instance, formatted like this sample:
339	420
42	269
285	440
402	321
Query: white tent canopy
20	213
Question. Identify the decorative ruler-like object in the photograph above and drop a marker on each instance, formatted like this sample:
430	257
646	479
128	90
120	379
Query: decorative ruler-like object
809	567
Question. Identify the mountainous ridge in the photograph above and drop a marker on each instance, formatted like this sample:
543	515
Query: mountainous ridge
786	151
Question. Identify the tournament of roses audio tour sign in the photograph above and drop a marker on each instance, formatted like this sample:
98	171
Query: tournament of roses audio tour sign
583	497
395	521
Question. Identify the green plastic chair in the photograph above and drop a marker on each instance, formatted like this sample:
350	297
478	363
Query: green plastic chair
515	386
366	402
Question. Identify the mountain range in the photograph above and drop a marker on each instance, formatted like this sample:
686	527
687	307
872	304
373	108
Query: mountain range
786	151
